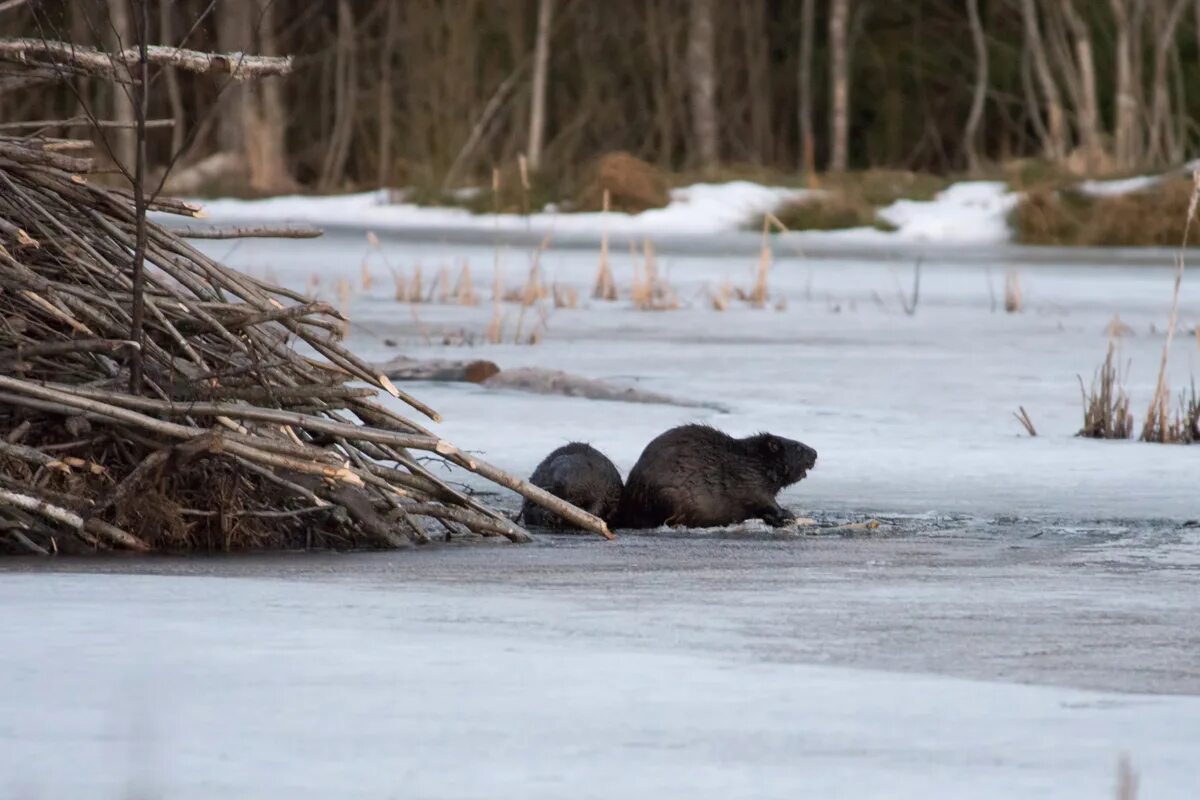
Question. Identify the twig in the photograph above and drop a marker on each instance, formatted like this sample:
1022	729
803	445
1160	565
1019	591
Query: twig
237	65
248	233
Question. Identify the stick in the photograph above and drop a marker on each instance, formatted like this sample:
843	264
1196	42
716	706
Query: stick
248	233
237	65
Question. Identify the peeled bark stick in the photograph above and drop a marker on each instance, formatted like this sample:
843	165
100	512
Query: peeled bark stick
510	530
253	413
526	489
248	233
38	506
47	399
115	535
238	65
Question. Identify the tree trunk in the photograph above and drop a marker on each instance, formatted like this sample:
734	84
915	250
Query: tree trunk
166	35
1161	103
541	63
1124	101
233	36
807	143
266	121
702	65
386	100
345	94
123	141
1089	104
839	88
1055	144
974	118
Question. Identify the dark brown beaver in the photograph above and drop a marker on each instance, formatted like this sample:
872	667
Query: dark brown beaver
579	474
699	477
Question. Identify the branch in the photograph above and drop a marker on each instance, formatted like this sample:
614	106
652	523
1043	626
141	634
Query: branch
96	62
247	233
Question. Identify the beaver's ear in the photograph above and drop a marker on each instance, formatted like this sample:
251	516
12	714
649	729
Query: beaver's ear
773	445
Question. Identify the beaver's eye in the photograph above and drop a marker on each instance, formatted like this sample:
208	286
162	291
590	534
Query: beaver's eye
773	445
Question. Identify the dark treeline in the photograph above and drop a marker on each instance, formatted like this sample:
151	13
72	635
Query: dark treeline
435	93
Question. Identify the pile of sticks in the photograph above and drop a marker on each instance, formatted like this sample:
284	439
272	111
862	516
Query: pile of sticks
237	421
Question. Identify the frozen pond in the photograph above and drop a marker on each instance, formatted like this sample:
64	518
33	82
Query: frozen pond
911	414
1025	615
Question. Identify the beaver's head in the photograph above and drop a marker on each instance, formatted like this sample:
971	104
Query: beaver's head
786	460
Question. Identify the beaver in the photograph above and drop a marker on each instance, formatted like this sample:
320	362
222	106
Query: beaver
579	474
700	477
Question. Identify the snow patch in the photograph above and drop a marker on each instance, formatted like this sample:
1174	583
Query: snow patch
697	209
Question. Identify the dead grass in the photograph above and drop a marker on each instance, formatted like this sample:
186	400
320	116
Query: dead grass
1106	405
1014	297
1023	417
650	291
827	212
882	187
1156	216
632	185
1158	426
606	286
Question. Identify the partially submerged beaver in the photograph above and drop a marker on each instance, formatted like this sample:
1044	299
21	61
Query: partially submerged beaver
579	474
699	477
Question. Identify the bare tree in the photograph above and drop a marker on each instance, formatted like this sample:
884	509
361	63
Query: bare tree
233	36
386	90
267	118
1088	110
345	94
541	63
120	33
839	86
1055	142
166	34
1125	126
1160	109
702	65
804	78
971	133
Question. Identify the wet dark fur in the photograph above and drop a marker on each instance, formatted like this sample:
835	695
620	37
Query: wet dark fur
699	477
579	474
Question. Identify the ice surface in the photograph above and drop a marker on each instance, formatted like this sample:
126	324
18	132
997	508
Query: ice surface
1026	614
909	413
183	687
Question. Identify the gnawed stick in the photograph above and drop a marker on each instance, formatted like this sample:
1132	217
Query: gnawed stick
249	233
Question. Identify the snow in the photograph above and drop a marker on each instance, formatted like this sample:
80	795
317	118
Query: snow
972	212
1119	186
196	687
697	209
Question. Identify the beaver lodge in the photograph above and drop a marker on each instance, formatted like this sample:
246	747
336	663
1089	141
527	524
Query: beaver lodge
237	422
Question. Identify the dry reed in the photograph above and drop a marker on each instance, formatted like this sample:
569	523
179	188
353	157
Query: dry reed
1106	405
1014	299
1158	427
606	286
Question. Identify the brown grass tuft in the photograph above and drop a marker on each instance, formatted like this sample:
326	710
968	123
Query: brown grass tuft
565	296
632	185
649	291
464	288
1014	298
1156	215
606	285
1106	406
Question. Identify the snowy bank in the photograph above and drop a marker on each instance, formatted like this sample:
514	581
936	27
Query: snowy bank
972	212
702	208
